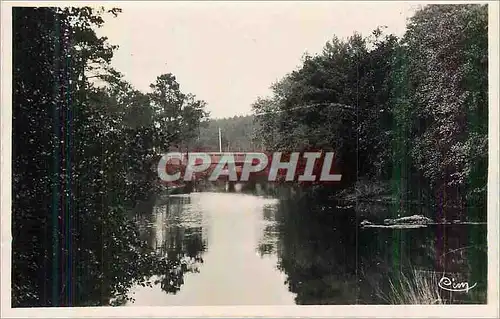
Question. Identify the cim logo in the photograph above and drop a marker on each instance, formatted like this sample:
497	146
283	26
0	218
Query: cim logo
278	166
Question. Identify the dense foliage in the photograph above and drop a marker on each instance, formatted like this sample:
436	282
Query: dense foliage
84	144
410	113
237	135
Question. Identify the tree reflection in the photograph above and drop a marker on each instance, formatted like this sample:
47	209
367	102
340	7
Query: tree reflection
175	236
313	253
268	244
328	259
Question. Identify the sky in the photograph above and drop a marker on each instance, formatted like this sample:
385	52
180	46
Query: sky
229	53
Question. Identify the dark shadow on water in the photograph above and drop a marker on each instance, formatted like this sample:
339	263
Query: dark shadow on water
329	259
173	231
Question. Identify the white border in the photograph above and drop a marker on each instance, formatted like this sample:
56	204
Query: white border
454	311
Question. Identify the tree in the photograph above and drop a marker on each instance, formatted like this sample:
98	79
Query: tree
447	50
412	111
82	151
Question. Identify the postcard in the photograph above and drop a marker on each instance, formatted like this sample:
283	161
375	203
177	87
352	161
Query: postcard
250	159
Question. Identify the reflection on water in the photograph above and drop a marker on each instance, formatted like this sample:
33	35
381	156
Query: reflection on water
268	244
243	249
330	260
223	234
174	231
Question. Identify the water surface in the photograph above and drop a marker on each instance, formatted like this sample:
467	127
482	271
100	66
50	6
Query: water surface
234	266
242	249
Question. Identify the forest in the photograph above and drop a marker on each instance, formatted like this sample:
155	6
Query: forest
84	147
237	135
407	117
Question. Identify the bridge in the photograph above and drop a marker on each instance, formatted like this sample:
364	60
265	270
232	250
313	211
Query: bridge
239	159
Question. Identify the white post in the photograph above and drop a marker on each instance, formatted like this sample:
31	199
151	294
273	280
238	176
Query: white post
220	142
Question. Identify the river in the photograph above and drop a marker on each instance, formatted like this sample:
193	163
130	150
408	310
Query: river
233	248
